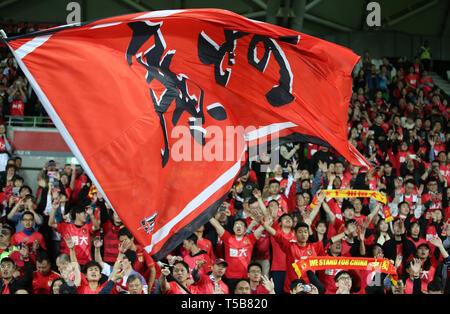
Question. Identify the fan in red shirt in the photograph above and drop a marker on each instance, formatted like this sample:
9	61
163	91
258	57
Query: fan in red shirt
180	272
278	266
144	265
343	281
254	276
295	251
426	83
92	282
204	244
238	247
273	193
43	277
111	228
17	101
28	235
80	232
211	283
195	254
411	80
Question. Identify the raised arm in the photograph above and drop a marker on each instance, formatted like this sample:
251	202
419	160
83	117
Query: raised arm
98	243
217	226
95	222
257	194
72	177
164	285
328	211
71	246
15	209
51	220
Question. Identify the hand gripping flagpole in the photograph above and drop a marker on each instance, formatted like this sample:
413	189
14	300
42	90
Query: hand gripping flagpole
3	34
162	265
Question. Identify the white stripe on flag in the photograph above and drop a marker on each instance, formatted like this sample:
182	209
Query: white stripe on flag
268	129
29	47
106	25
160	13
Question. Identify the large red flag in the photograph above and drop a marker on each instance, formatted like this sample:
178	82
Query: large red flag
146	102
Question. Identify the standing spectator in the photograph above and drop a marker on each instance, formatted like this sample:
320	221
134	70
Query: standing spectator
255	277
111	225
411	80
295	250
44	276
238	247
17	100
399	245
144	265
28	236
128	259
194	254
180	272
212	284
278	267
204	244
80	232
5	147
425	55
25	205
9	284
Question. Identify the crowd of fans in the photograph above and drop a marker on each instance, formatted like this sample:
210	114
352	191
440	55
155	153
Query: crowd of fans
64	238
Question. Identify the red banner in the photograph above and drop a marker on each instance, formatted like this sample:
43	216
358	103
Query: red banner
146	102
381	265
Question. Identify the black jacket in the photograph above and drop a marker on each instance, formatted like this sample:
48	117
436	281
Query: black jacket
22	283
390	249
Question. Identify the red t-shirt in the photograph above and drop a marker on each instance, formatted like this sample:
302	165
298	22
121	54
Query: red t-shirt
19	237
445	171
41	284
259	290
17	108
110	241
326	277
191	260
85	289
278	256
3	145
261	251
206	245
81	237
143	261
411	79
206	285
294	253
175	289
238	254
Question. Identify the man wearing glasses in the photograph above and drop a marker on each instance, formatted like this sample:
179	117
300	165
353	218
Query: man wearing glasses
9	284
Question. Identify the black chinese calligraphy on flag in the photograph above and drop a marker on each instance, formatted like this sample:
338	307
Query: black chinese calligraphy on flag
146	102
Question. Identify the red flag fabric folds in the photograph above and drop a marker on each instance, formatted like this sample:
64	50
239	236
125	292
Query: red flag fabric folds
128	92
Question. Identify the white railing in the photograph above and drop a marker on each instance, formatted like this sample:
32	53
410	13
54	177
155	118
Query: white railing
29	121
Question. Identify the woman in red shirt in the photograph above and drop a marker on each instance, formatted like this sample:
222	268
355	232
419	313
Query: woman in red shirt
181	273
